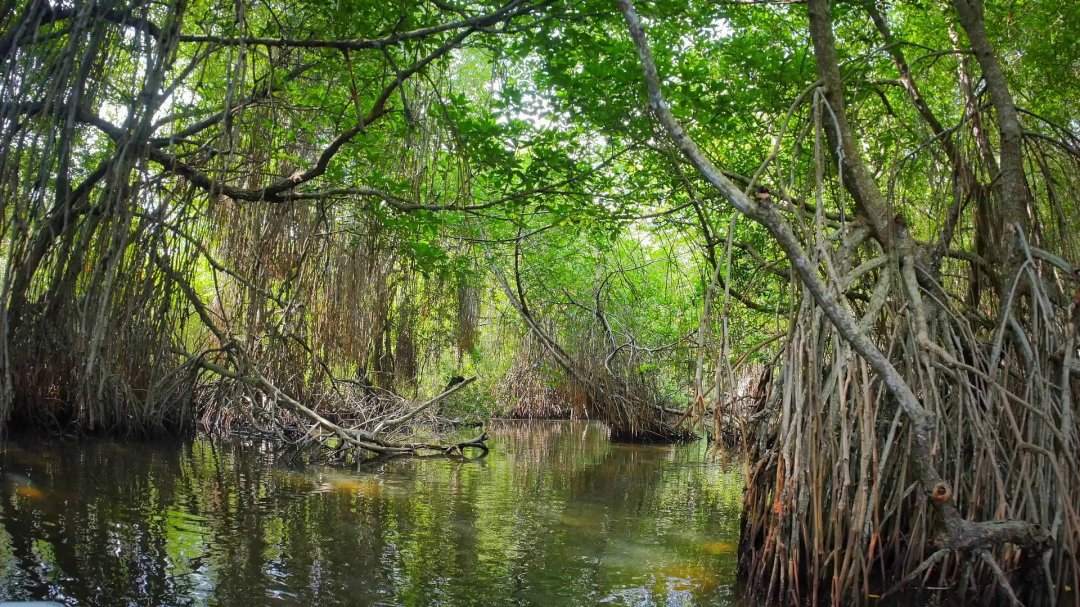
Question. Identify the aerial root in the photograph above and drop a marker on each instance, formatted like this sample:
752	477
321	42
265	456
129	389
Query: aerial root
918	571
999	575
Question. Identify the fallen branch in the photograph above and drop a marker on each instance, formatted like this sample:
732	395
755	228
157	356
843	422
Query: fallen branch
389	424
357	438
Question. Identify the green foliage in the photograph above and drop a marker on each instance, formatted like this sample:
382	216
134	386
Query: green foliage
527	145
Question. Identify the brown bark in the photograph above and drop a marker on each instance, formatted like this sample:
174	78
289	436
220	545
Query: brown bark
1015	197
857	179
957	533
969	184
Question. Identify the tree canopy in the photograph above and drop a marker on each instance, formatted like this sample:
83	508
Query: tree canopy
846	232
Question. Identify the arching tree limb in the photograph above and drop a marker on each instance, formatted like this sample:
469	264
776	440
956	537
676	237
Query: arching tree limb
1018	532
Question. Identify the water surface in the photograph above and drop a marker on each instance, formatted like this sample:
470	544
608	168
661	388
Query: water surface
555	515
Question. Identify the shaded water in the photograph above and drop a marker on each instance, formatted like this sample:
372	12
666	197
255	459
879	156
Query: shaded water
556	515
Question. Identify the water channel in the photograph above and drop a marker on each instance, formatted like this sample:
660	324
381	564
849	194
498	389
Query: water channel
555	515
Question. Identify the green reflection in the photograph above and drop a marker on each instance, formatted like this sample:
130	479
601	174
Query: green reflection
556	515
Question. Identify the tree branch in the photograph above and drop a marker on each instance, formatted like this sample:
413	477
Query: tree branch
840	316
390	424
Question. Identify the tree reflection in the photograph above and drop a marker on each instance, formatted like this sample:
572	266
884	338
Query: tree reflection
556	515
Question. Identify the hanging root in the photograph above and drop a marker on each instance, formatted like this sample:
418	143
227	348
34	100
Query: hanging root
529	387
604	373
830	443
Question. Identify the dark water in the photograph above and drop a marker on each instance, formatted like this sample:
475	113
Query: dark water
556	515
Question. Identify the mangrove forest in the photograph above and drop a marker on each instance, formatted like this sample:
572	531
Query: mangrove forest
540	302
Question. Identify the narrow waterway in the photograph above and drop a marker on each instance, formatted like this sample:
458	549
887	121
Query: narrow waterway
555	515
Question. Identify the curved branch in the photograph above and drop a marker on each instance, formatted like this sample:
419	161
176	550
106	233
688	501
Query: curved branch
840	316
390	424
508	11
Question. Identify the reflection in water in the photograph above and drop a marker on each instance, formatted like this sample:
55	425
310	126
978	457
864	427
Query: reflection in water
554	516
